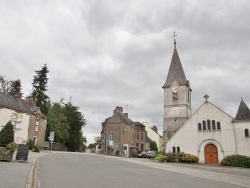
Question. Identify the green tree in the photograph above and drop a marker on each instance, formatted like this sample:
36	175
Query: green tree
153	146
76	122
57	122
98	141
39	84
6	134
15	88
4	85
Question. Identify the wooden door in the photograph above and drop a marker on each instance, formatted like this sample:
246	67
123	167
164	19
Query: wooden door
211	154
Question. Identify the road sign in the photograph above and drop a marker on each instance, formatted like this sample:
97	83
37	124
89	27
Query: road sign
51	136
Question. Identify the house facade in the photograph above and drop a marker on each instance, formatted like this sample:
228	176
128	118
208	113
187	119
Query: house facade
121	136
210	133
26	118
154	136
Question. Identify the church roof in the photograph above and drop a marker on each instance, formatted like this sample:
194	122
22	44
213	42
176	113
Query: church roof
243	112
176	72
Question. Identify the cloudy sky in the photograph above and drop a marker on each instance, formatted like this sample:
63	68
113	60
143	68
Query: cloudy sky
110	53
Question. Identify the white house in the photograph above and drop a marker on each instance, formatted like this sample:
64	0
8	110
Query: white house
152	135
26	117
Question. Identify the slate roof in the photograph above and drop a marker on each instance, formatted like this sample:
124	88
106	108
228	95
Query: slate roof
243	112
138	126
11	102
176	72
119	117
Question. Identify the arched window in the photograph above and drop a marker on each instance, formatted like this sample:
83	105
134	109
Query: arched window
208	125
213	124
173	149
204	125
178	149
218	125
199	126
246	133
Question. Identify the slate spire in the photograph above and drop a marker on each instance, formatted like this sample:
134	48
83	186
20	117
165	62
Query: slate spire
176	72
243	112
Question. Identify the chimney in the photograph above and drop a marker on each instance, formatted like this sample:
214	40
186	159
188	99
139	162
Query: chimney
18	95
32	100
119	109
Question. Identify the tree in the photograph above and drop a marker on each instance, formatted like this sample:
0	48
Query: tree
39	84
153	146
15	88
76	122
98	141
154	128
6	134
4	85
57	122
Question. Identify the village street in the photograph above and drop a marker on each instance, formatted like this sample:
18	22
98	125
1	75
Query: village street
65	169
89	170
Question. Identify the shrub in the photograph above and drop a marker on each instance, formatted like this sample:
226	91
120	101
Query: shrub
6	135
36	149
30	143
170	157
160	158
181	157
236	160
10	148
188	158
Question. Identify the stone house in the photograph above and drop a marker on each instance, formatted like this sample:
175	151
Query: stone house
121	136
26	117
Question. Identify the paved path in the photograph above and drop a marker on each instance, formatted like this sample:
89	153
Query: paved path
14	174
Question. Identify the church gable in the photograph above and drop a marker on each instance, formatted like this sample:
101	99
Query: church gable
209	124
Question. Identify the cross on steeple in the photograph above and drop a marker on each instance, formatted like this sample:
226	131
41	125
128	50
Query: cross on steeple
206	97
174	40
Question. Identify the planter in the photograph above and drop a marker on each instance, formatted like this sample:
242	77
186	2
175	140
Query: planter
4	157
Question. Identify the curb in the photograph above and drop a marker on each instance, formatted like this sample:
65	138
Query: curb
31	180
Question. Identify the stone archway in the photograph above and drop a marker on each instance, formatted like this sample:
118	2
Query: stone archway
211	154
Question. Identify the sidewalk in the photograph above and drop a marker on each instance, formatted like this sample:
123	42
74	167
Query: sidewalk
232	175
14	174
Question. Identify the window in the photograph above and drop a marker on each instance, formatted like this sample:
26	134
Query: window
141	136
178	149
199	126
111	136
37	125
213	125
35	140
208	125
218	125
173	149
204	125
137	135
246	133
137	145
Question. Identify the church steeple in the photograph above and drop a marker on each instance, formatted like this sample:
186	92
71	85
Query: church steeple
176	72
177	97
243	112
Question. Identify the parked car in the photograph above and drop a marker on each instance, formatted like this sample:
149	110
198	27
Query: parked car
151	154
142	154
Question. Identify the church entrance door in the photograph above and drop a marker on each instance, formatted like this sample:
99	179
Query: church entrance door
211	154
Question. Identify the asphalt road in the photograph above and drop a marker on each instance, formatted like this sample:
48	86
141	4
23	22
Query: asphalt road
75	170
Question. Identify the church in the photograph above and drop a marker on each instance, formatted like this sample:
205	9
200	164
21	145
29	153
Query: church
209	133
